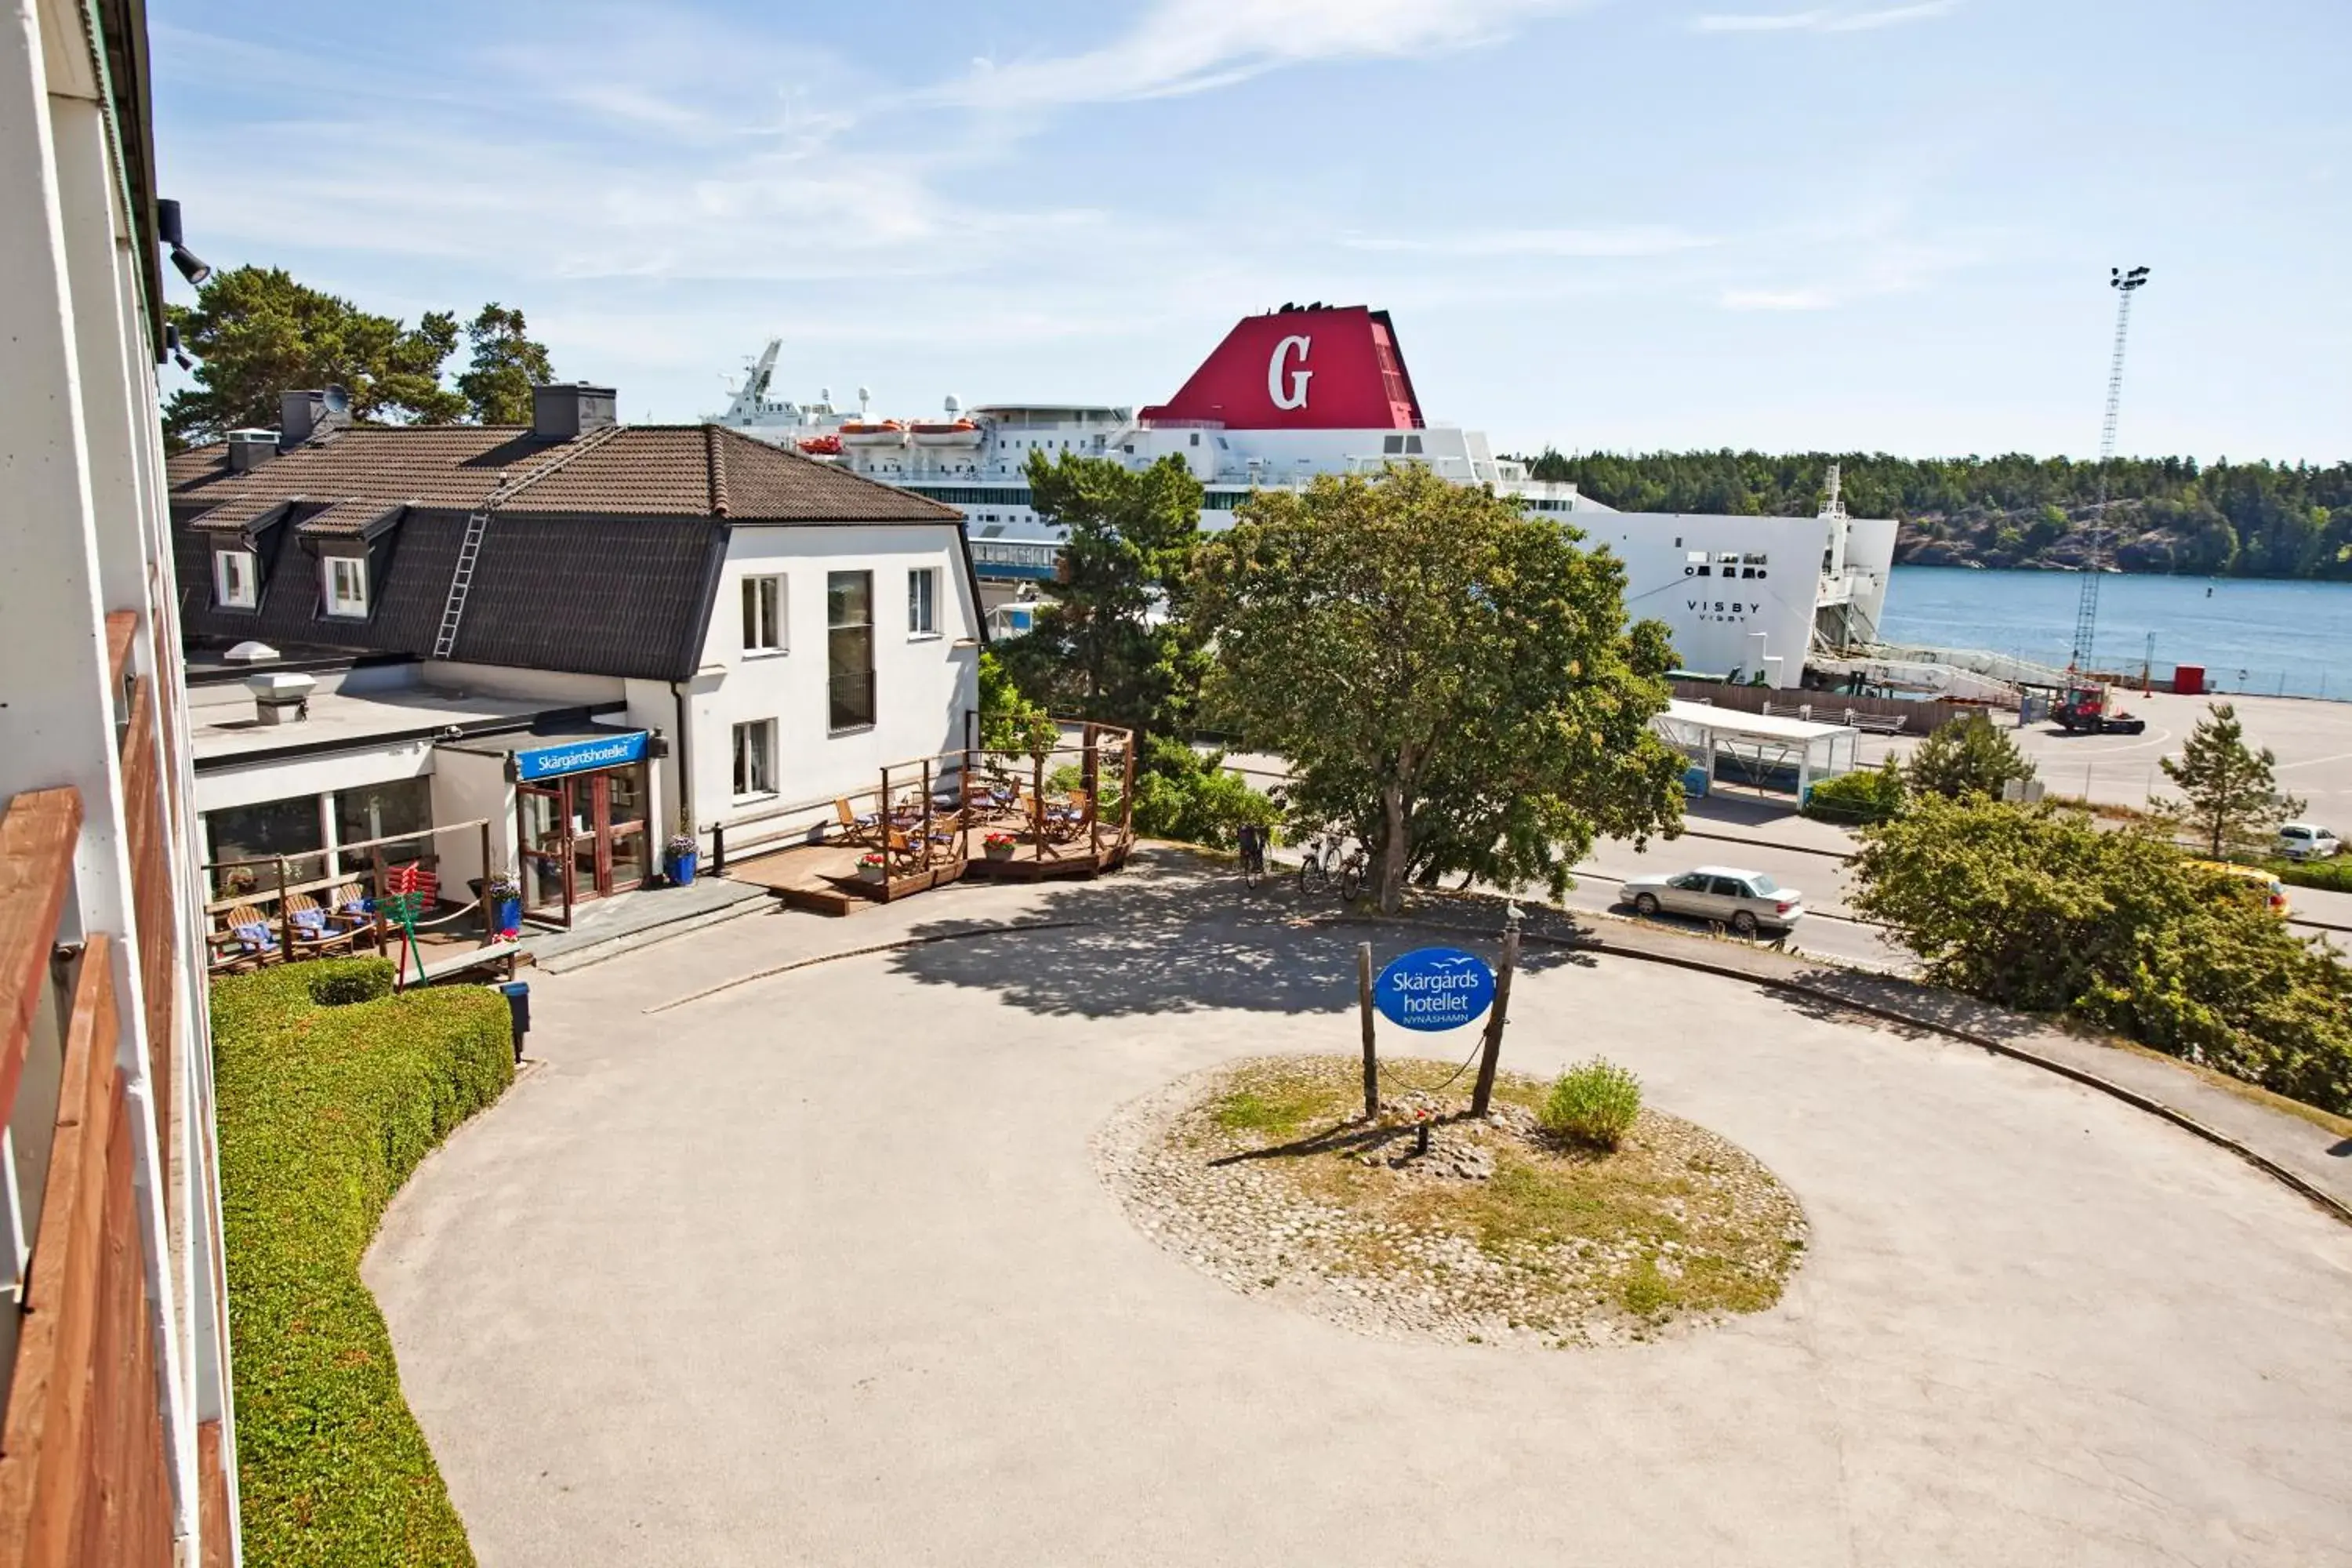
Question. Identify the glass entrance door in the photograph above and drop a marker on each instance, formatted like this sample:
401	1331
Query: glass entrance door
546	841
621	826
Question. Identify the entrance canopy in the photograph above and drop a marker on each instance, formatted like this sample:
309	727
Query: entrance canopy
1768	752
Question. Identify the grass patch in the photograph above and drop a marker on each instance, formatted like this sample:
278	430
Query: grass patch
1551	1234
324	1111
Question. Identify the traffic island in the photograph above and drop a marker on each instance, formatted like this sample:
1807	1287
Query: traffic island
1424	1223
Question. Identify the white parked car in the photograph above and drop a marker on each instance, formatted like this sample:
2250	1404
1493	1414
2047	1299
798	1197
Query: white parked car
1747	902
2307	841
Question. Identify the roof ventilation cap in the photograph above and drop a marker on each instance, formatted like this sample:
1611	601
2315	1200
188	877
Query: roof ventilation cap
248	449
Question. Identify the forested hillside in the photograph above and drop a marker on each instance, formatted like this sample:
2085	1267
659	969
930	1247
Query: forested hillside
2163	514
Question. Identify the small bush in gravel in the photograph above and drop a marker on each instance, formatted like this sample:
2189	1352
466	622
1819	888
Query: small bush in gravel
1594	1103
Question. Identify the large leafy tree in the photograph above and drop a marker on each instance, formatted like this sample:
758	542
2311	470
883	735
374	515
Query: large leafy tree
260	333
1448	677
2040	910
1113	647
2230	796
1966	756
506	365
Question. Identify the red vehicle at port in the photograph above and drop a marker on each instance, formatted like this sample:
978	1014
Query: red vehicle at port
2088	711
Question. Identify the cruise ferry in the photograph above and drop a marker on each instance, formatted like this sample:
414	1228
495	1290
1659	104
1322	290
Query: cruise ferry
1319	389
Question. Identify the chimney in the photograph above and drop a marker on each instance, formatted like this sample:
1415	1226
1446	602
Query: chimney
569	408
248	449
302	415
280	697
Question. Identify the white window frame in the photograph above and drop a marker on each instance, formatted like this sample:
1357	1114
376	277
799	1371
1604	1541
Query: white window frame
922	603
346	607
225	562
763	733
765	615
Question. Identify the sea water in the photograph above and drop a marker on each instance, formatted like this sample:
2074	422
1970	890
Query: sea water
2287	638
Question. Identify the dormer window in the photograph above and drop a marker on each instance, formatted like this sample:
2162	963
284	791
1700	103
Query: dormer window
237	579
346	585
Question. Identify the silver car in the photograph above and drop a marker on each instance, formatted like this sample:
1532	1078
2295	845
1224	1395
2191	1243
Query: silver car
2307	841
1747	902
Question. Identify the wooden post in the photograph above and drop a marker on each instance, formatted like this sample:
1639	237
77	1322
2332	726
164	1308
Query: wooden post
1372	1049
1484	1093
489	920
963	796
1093	770
285	916
1038	812
927	813
1127	790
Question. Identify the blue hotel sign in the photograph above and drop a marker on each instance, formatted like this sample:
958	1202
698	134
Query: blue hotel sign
580	756
1435	988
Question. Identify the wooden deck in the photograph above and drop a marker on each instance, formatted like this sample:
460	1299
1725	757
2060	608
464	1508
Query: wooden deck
822	879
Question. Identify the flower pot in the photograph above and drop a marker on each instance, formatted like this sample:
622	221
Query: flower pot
997	851
869	873
510	915
678	867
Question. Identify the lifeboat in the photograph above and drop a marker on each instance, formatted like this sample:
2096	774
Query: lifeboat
877	433
944	433
821	445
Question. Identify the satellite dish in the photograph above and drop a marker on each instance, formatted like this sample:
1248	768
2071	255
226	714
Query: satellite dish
955	404
337	399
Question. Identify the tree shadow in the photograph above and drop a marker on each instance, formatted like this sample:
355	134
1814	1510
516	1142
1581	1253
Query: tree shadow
1177	934
1920	1010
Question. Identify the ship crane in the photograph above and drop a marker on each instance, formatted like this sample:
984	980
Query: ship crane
2087	609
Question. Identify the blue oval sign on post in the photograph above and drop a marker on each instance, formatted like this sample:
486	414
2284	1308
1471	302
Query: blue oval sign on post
1435	988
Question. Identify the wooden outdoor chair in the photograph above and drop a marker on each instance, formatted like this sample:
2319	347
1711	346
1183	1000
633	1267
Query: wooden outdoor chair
246	940
855	829
1069	820
317	934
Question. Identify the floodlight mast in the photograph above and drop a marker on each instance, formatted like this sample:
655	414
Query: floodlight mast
2087	609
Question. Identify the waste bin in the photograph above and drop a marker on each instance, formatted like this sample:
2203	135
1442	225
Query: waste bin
518	996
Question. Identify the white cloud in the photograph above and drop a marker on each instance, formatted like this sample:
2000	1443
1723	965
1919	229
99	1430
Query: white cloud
1777	299
1594	244
1192	45
1826	20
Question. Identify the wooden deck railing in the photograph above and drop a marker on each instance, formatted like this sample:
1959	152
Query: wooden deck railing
83	1475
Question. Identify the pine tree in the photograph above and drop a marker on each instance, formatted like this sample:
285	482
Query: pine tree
2231	797
1966	757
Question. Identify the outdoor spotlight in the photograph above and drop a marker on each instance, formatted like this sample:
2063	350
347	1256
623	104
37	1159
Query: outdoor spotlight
172	347
167	228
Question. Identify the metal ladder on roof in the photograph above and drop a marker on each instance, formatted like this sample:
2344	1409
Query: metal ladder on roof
461	580
453	610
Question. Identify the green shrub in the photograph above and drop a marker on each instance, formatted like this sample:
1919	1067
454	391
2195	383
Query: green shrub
1183	795
330	1090
2042	912
2335	874
1866	795
1594	1102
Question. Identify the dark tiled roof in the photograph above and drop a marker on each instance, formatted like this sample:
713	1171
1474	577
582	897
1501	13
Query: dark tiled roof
244	512
346	519
601	556
669	470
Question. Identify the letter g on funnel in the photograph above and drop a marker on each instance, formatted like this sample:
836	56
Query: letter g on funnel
1296	395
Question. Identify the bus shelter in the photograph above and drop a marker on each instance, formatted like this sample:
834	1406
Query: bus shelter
1773	753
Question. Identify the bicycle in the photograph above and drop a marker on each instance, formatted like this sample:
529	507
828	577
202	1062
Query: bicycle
1252	854
1325	865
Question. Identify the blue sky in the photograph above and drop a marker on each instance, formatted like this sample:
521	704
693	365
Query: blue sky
1875	224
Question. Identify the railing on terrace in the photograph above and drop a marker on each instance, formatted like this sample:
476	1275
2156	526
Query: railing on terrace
1073	797
83	1473
399	913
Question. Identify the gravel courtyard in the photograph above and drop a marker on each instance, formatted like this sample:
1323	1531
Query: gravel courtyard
818	1269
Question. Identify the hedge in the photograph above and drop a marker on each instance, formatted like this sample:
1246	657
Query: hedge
330	1090
2333	874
